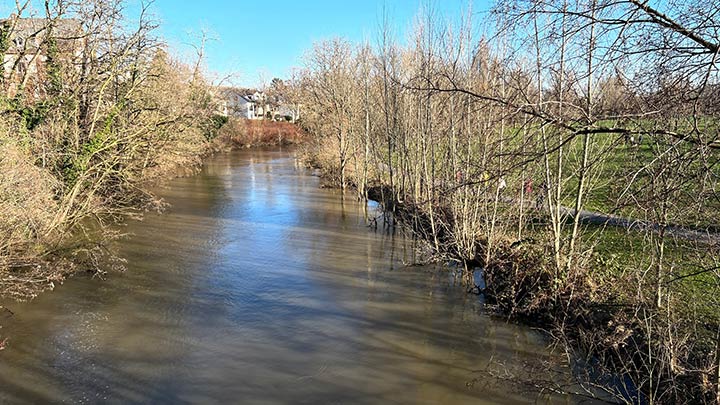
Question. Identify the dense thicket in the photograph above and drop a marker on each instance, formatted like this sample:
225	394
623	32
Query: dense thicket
92	110
571	153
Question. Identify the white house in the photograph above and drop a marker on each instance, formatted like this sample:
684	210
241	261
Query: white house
245	103
244	107
288	110
254	105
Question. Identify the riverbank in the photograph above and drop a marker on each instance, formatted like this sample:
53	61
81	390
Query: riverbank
55	223
35	265
256	274
591	312
48	238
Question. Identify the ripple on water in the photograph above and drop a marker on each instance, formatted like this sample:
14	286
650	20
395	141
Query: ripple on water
258	286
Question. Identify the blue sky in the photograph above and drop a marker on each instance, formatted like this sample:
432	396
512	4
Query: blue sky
258	39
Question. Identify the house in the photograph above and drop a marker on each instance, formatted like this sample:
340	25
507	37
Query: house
255	105
245	103
287	111
30	43
245	107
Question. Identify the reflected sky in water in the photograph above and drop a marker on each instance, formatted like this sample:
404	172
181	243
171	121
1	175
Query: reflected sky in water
257	286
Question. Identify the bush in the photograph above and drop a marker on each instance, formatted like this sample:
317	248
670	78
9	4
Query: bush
242	132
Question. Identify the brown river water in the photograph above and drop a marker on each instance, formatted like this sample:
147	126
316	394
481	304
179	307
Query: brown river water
259	287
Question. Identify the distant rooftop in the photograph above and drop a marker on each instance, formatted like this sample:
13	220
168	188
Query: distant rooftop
26	33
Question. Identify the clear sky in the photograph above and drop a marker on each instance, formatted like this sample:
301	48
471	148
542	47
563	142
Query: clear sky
256	40
259	39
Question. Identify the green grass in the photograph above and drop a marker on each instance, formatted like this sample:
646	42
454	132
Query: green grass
619	253
621	178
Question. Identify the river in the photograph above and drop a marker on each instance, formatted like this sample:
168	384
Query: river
258	286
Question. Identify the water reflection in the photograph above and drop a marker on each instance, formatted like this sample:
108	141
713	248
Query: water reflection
258	286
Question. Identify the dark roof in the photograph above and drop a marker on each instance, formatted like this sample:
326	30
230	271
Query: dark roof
243	93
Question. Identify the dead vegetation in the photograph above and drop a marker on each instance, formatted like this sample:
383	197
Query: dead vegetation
246	133
484	145
88	119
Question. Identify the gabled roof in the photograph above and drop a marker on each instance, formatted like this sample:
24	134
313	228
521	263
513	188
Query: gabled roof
238	93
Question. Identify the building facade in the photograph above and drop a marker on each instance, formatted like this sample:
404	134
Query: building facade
30	44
